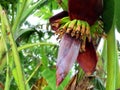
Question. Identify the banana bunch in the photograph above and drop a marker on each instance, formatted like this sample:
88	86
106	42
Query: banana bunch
97	32
76	28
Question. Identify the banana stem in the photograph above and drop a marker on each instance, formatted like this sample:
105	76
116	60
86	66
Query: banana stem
111	60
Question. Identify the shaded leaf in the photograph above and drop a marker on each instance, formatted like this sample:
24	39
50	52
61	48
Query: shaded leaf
23	33
1	86
117	12
98	84
111	14
108	14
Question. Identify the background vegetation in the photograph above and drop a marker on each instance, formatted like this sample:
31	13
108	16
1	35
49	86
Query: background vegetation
28	53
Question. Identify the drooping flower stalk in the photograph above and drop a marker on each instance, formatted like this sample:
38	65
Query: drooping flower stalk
74	30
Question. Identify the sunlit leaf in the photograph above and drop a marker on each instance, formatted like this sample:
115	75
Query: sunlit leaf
49	75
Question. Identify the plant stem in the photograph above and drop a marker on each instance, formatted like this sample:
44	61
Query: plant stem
33	73
3	31
111	60
21	81
34	44
117	71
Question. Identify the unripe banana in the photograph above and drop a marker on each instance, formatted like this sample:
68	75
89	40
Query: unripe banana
71	25
64	20
83	44
73	31
78	28
64	27
87	32
82	28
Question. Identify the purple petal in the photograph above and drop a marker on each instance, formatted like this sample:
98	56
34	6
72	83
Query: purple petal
64	48
66	61
88	59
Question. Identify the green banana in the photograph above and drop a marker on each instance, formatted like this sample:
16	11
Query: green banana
64	20
82	28
73	31
78	28
71	26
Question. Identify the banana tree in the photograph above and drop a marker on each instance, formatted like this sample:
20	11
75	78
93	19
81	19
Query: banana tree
78	26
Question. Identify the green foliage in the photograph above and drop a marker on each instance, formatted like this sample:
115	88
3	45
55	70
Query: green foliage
29	58
46	11
51	79
26	55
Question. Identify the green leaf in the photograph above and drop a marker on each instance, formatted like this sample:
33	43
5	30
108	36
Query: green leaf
111	14
23	33
31	9
117	14
108	14
47	88
63	4
44	12
49	75
54	5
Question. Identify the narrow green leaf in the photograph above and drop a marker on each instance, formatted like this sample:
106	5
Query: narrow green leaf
23	32
20	10
31	9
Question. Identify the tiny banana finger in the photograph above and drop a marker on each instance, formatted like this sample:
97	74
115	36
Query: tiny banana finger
71	25
65	20
73	31
82	28
78	28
